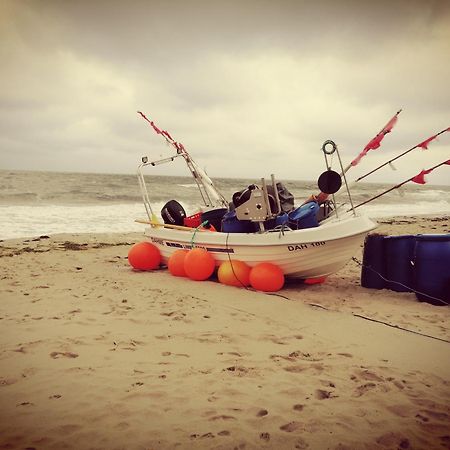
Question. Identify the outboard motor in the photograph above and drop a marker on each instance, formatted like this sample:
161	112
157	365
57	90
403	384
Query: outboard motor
173	213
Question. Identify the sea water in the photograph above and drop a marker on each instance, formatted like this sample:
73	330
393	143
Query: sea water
43	203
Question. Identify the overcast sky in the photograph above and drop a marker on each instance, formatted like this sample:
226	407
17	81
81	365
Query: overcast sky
249	87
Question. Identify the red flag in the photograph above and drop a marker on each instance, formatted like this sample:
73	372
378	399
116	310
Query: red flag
447	162
388	127
420	178
425	143
166	133
376	141
155	128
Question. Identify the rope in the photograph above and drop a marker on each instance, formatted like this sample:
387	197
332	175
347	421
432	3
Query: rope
360	316
231	264
195	231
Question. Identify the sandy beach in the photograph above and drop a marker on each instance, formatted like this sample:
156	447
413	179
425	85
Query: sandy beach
94	355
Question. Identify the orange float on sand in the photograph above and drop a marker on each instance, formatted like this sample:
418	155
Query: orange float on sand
144	256
317	280
266	277
199	264
176	263
234	273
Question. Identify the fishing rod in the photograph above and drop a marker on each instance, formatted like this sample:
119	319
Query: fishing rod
423	145
419	178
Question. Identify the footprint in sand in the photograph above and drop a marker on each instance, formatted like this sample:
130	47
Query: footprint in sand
301	444
436	415
347	355
242	371
321	394
298	407
265	436
296	369
56	355
174	315
207	435
291	426
222	417
363	389
393	440
203	436
296	355
239	355
185	355
369	376
55	396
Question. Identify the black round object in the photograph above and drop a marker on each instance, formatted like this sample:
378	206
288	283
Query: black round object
173	213
329	182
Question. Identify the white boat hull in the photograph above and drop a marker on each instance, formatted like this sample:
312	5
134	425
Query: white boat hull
308	253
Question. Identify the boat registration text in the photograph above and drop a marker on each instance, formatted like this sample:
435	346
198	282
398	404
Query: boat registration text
296	247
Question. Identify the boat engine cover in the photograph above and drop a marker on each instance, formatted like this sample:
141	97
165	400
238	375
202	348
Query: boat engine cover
173	213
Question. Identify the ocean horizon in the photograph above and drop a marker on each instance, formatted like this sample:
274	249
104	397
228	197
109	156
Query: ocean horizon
34	203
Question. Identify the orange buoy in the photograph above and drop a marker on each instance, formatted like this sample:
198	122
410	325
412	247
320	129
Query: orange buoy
234	273
266	277
317	280
176	263
199	264
144	256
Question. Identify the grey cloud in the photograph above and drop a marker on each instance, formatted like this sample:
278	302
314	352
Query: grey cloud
248	87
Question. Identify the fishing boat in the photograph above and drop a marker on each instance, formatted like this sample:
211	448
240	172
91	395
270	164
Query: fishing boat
305	252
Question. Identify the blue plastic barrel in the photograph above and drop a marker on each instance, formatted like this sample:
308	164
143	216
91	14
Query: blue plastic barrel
281	219
304	216
373	262
431	273
399	259
272	223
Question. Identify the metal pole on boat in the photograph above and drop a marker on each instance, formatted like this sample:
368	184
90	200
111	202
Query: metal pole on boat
331	151
275	193
143	186
266	201
345	181
328	166
148	207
